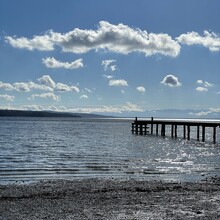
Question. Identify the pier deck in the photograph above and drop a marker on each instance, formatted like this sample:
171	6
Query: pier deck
143	127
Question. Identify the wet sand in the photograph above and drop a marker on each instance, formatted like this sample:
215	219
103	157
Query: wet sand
111	199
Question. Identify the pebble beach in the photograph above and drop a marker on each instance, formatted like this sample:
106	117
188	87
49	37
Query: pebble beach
100	198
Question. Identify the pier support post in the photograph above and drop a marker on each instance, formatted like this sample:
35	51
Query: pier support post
203	133
214	135
198	130
175	131
163	130
184	131
156	129
188	132
136	128
141	130
152	125
132	128
172	131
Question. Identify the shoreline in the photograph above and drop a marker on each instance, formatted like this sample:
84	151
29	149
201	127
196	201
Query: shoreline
98	198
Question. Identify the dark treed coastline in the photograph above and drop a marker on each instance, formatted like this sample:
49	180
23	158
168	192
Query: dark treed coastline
24	113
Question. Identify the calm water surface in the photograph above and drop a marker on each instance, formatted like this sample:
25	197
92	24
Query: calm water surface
50	148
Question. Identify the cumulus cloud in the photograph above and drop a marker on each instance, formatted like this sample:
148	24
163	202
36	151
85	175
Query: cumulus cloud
46	80
118	82
141	89
204	83
46	83
201	89
84	97
171	80
21	87
113	68
42	43
35	86
51	62
7	97
106	64
114	38
49	95
60	87
209	40
6	86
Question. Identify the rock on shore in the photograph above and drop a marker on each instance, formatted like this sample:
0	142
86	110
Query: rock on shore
111	199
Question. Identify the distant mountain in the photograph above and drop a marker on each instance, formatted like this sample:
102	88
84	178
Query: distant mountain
24	113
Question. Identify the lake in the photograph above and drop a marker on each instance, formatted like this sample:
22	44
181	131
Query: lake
33	149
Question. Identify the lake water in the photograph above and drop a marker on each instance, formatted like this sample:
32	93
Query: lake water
50	148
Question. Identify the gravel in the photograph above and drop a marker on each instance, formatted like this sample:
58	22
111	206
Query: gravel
111	199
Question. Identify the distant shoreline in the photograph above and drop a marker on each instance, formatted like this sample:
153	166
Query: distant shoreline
26	113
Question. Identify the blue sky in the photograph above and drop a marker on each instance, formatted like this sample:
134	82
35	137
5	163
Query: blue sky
110	57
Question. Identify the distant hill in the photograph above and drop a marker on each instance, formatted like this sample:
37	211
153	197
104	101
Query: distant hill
24	113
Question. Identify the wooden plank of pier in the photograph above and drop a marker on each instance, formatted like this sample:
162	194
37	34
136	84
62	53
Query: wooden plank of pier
141	127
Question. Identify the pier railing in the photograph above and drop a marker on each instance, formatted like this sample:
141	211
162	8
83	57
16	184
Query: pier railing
144	127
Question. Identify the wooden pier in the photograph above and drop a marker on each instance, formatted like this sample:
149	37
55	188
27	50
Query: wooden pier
143	127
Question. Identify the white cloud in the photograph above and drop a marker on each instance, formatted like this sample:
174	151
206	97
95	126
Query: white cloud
49	95
51	62
46	80
24	87
88	90
171	80
113	68
84	97
114	38
205	83
118	82
46	84
141	89
201	89
7	97
6	86
108	76
209	40
42	43
199	81
106	64
35	86
127	107
208	112
21	87
60	87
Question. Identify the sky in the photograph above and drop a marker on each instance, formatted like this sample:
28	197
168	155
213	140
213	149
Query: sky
124	58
